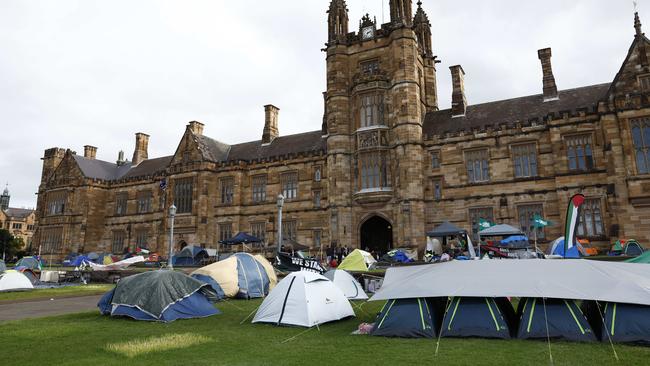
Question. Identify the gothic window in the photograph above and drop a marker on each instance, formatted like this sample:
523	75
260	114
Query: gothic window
52	239
121	201
476	215
318	234
225	231
317	173
644	82
317	198
373	170
289	183
289	230
17	226
370	67
526	215
478	169
183	195
259	188
56	203
641	140
227	190
437	189
371	110
524	158
590	219
579	152
141	237
258	230
118	242
435	160
144	202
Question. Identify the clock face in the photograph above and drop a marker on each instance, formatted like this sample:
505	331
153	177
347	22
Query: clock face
367	32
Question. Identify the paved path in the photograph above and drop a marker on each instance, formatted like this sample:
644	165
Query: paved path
41	308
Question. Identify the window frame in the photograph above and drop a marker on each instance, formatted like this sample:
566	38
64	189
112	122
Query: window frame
474	225
144	202
225	228
255	230
437	192
227	185
184	187
589	164
436	159
530	209
290	230
645	148
599	224
258	188
317	197
532	165
118	234
289	185
372	109
484	165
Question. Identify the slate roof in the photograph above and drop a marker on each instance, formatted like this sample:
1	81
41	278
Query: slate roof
283	145
213	150
99	169
149	167
514	110
19	213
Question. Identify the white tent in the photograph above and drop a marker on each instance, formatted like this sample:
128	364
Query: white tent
304	299
14	280
577	279
500	230
345	282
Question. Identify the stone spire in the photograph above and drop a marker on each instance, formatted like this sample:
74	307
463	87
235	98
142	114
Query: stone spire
637	24
401	12
4	199
337	22
422	28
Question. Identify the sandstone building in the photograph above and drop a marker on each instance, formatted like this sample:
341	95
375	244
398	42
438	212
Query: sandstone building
387	165
20	222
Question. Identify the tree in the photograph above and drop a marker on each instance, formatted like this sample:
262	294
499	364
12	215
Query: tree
9	244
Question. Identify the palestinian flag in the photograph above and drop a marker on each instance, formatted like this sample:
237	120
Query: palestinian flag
572	221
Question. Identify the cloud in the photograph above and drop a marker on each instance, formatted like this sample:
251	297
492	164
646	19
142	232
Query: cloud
95	72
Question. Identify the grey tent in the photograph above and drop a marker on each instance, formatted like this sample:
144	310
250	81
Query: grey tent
446	229
500	230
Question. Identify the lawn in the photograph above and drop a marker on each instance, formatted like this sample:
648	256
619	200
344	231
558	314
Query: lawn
48	293
91	339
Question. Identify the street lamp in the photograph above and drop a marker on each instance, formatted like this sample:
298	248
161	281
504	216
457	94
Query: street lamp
280	204
172	214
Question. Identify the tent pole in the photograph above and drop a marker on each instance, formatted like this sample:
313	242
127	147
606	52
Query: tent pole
548	337
606	331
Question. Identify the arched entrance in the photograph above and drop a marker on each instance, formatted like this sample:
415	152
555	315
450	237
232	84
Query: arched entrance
377	235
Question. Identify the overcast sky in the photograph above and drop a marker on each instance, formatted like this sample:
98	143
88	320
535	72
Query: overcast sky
88	72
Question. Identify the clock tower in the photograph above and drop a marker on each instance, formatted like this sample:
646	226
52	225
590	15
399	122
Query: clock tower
381	82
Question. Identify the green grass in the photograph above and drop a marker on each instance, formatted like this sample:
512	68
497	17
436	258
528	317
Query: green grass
48	293
86	339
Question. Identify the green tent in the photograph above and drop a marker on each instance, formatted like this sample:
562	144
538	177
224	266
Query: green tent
643	258
358	260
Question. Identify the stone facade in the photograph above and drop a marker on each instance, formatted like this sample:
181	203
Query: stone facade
387	164
20	222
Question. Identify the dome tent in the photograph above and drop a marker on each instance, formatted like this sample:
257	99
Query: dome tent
407	318
627	323
552	318
11	280
240	275
484	317
304	299
32	263
161	295
345	282
358	260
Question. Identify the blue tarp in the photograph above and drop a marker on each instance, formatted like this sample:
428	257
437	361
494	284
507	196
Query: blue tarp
476	317
515	241
241	238
194	306
553	318
396	256
408	318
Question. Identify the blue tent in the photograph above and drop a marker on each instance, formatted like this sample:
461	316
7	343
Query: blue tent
240	275
396	256
477	317
626	323
407	318
159	296
191	255
553	318
32	263
558	249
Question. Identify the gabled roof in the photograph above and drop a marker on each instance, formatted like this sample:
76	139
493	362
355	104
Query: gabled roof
211	149
283	145
19	213
511	111
149	167
99	169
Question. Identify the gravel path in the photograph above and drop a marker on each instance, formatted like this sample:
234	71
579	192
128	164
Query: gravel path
41	308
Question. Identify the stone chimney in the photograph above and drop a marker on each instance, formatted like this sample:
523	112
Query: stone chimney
458	100
270	123
196	127
548	80
141	147
90	152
